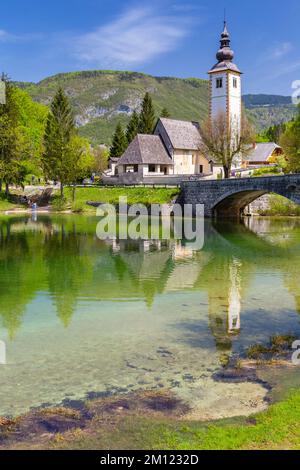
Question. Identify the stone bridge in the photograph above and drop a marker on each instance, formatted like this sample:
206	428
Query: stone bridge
229	198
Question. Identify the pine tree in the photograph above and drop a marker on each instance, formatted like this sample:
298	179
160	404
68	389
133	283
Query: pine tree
147	116
133	127
165	113
275	132
60	128
119	142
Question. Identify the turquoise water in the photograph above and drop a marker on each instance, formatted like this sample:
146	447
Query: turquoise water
82	317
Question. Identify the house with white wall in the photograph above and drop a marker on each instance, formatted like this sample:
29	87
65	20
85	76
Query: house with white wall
174	148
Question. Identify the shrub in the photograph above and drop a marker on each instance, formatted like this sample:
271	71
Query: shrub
281	206
273	170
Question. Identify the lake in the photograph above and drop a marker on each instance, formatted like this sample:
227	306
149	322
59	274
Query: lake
81	317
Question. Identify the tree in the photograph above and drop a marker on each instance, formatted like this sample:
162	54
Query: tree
290	142
80	159
165	113
221	142
10	138
133	127
100	156
119	142
60	129
275	132
33	117
147	116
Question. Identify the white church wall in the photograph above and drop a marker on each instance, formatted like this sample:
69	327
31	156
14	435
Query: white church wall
235	100
218	95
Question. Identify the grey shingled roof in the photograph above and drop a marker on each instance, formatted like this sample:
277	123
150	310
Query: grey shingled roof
147	149
262	152
226	65
183	135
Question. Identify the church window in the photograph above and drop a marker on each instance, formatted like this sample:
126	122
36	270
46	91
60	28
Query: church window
235	84
219	82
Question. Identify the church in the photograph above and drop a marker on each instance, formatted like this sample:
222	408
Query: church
173	151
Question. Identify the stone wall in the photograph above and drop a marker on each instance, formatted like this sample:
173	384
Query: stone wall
228	198
259	205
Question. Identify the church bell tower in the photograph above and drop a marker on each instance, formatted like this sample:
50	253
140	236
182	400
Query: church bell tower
226	85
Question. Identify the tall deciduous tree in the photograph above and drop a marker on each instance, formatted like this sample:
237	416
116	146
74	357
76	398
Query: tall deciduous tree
60	129
10	138
133	127
119	142
147	116
222	143
81	160
100	164
290	142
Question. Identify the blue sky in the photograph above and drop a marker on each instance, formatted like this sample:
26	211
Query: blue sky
159	37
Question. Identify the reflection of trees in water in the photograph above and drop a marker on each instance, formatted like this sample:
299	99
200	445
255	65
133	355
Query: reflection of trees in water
37	259
21	270
147	263
62	256
67	270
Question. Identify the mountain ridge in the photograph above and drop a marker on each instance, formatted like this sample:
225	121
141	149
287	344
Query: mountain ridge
102	98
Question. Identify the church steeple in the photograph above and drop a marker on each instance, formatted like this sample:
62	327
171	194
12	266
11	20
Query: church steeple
225	54
226	85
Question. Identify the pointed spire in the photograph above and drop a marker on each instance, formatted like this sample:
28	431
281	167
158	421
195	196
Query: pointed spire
225	54
225	31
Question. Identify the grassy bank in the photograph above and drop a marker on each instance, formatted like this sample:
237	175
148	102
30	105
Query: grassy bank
111	195
6	204
280	206
277	428
149	422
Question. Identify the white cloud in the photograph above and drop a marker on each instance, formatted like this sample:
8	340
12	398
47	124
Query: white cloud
6	37
136	37
281	50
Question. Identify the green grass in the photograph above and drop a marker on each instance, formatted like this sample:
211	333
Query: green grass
279	427
111	195
6	204
276	428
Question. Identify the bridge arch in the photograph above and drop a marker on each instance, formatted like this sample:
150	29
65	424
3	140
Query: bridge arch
228	198
234	203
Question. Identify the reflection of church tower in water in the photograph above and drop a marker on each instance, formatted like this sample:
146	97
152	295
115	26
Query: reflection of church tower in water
234	307
225	303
